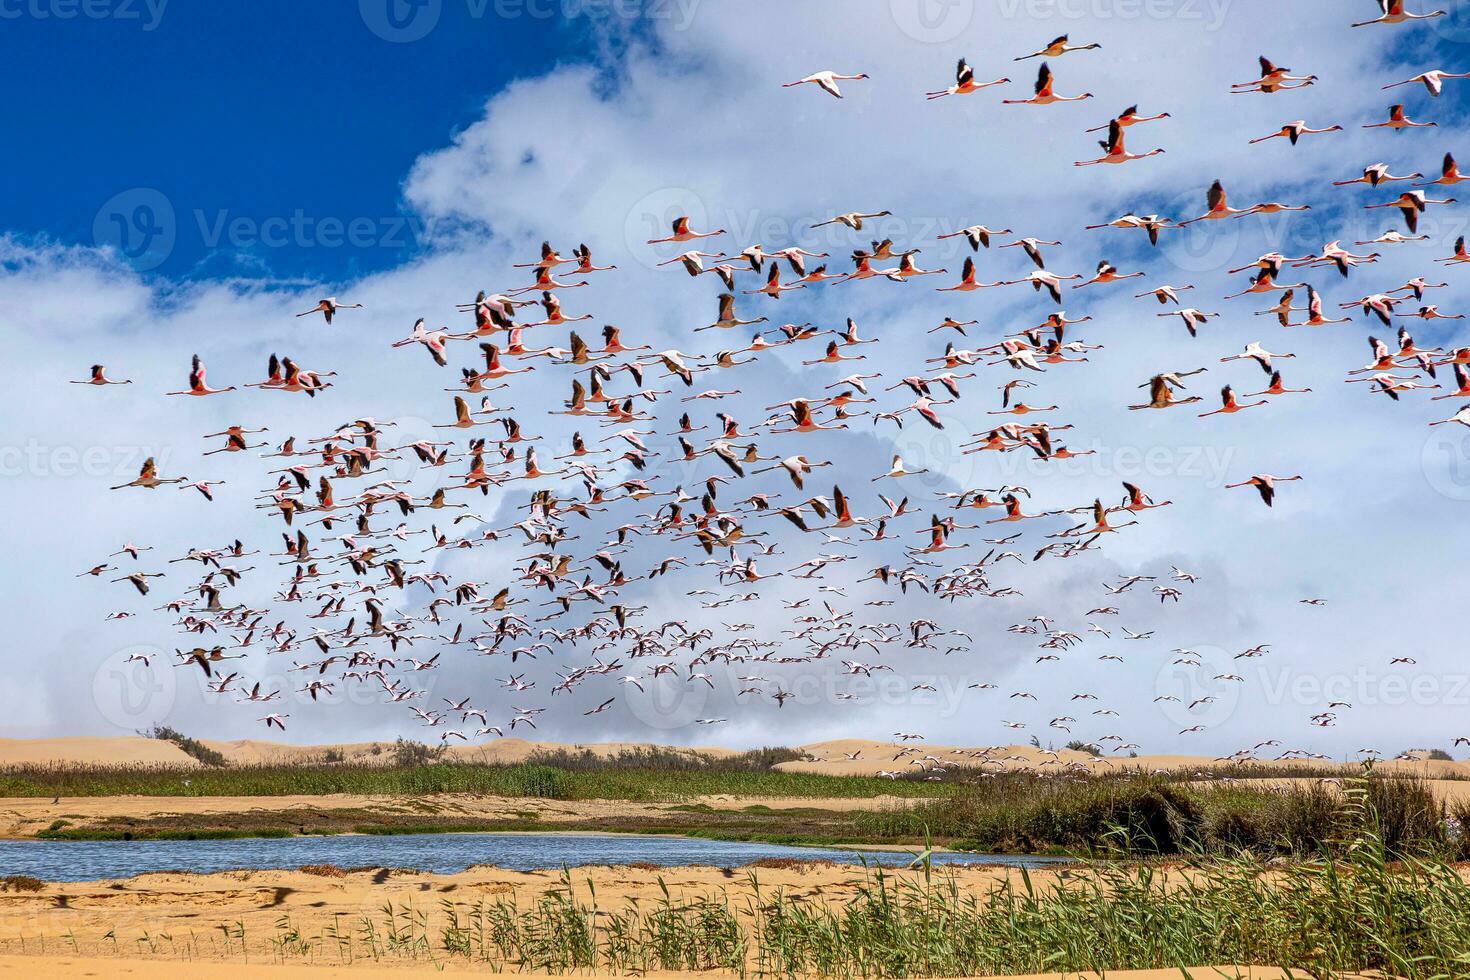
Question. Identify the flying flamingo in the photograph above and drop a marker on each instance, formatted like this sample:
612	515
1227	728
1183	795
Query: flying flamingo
1265	485
148	477
967	281
1229	405
1193	319
1398	122
1150	223
976	235
1043	92
99	377
1273	79
683	234
1294	131
1255	352
1129	117
1392	12
1057	47
1161	393
826	81
1375	174
1114	151
328	308
1433	80
1449	173
1217	206
964	83
197	385
1410	204
852	219
433	341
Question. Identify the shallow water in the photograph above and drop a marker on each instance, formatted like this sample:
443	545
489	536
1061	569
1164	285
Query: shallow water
439	853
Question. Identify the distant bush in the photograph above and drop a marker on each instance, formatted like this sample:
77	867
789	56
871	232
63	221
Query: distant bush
1027	813
190	746
21	883
322	870
407	753
1077	745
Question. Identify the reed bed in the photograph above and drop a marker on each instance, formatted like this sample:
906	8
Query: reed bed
1357	910
524	780
1150	815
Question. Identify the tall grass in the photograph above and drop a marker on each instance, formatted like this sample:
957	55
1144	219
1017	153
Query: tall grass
1360	911
576	781
1155	815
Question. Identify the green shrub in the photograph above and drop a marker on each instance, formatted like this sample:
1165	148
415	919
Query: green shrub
190	746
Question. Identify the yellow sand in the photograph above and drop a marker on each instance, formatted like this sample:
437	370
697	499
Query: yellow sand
830	757
166	926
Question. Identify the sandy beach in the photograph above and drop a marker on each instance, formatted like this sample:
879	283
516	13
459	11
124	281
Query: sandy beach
291	923
238	924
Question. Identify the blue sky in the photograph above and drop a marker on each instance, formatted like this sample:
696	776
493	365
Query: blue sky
251	110
454	153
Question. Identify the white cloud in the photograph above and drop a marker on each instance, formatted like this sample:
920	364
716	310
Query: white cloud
695	122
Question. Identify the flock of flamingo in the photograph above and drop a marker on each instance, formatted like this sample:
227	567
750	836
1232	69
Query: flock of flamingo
365	599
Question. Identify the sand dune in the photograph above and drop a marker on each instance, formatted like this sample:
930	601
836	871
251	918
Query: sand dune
117	751
125	750
842	757
873	757
68	930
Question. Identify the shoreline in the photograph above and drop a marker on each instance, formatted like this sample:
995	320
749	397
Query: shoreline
87	968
